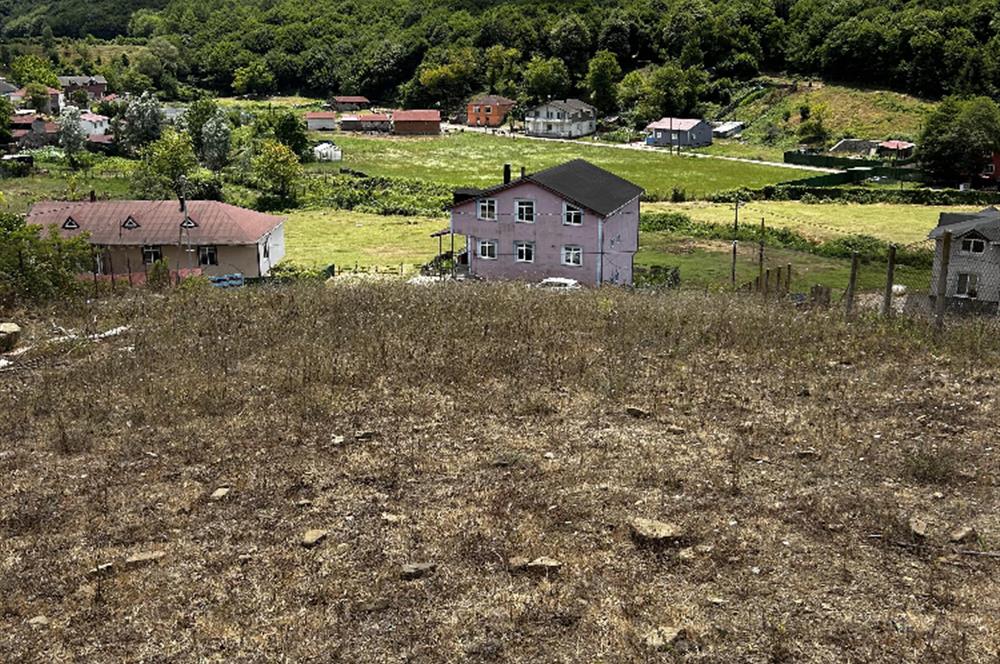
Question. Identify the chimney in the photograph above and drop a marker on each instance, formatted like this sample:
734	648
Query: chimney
93	196
506	173
523	174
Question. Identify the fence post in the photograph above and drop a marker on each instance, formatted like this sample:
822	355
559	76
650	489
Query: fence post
942	284
767	282
761	250
890	273
852	283
733	275
777	281
788	278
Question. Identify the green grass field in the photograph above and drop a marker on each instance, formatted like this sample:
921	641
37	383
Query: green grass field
320	237
477	160
18	194
903	224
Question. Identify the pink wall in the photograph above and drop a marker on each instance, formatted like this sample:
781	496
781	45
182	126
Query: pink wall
621	231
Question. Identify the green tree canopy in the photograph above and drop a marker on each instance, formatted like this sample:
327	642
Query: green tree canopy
603	74
165	166
30	68
545	79
276	168
960	138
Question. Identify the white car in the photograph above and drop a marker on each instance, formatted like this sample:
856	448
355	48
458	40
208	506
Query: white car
559	284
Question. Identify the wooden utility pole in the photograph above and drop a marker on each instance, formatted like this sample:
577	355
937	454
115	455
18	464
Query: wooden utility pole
852	283
889	277
760	256
942	284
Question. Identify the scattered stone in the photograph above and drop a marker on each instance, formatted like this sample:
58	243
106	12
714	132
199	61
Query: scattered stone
918	526
305	502
686	554
144	558
39	621
544	565
220	493
639	413
962	534
717	601
10	334
518	564
649	531
704	548
362	436
809	453
413	571
937	495
549	455
313	537
336	439
662	638
392	518
675	430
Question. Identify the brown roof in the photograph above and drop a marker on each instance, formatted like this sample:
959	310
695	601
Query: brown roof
493	100
22	119
321	115
158	222
416	116
373	117
106	139
351	99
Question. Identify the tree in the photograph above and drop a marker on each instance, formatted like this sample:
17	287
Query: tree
603	74
216	141
30	68
545	79
71	135
569	40
253	79
79	98
6	111
276	168
960	138
37	96
501	65
37	265
198	113
290	130
143	122
166	164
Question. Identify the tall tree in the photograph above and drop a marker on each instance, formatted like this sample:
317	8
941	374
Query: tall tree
72	138
290	131
959	138
216	141
30	68
166	164
276	168
198	113
142	121
545	79
603	74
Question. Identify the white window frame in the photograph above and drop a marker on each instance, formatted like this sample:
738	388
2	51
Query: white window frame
517	210
990	169
493	246
972	243
486	202
571	255
488	110
151	249
524	252
971	279
574	210
208	254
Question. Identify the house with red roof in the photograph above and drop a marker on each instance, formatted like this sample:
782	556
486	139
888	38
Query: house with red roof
53	103
895	149
488	110
350	103
321	121
679	132
132	235
416	122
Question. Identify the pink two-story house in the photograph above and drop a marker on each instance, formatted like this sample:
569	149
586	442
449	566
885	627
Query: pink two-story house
574	220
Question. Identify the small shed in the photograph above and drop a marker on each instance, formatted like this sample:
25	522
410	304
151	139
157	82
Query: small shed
416	122
327	152
321	121
727	129
350	103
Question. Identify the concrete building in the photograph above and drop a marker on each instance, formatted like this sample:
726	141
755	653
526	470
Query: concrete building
488	111
679	133
974	259
131	235
569	118
573	221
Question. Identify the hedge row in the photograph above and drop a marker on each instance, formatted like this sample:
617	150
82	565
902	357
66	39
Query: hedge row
859	195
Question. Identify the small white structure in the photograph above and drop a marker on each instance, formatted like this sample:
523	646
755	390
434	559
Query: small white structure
327	152
726	129
94	124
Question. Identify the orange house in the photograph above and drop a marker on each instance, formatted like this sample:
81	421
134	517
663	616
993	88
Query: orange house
488	111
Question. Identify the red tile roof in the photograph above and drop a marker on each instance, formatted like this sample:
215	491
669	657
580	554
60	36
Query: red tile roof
896	145
321	115
416	116
373	117
159	222
22	119
351	99
105	139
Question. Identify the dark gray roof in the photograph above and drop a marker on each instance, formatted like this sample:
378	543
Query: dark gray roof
568	105
986	223
6	87
82	80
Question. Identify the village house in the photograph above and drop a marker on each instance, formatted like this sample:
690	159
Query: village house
53	103
416	122
679	132
573	221
350	103
31	130
94	124
974	259
321	121
95	86
895	149
131	235
488	111
376	122
570	118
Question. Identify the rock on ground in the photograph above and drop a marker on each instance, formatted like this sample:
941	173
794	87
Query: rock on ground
313	537
412	571
10	334
650	531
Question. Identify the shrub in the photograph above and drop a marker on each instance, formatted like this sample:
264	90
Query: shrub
158	277
934	466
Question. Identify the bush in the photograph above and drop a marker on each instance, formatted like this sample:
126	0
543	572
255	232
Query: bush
158	277
935	466
36	265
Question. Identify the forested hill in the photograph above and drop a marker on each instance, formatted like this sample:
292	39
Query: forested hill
421	50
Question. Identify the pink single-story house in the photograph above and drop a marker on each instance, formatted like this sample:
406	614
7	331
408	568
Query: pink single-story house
574	221
131	235
321	121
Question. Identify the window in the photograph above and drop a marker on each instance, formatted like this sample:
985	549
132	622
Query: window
189	223
524	212
572	215
130	224
990	169
548	127
70	224
488	209
475	109
267	248
524	252
968	284
488	249
208	255
572	255
972	245
489	109
151	254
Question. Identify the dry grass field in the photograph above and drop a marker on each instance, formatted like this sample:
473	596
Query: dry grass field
795	455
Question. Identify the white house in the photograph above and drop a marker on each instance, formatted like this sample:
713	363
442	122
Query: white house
570	118
94	124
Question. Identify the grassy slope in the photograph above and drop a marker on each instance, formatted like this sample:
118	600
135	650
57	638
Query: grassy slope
779	442
477	160
20	193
